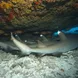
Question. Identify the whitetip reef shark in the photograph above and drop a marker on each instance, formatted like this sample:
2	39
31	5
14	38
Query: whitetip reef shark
7	47
65	44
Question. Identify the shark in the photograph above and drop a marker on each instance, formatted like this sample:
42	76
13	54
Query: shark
65	44
41	42
7	47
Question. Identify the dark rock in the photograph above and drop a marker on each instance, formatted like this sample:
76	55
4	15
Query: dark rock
50	15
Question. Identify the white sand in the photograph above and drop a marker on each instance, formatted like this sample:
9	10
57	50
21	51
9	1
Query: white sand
11	66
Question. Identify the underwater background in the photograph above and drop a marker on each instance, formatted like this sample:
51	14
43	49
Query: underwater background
32	20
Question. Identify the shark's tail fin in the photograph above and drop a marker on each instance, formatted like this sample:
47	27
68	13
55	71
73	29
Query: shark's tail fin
23	47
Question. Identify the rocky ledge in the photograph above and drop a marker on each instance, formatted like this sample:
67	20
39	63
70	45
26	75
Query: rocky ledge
37	15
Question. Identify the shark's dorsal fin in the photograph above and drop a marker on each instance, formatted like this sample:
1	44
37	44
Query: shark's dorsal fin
18	37
40	44
44	38
62	36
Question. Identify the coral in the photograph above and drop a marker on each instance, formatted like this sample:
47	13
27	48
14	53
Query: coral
6	5
13	11
75	5
1	32
18	1
10	16
51	0
28	11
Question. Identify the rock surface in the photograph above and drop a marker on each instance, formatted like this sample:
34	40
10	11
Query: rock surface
33	15
66	66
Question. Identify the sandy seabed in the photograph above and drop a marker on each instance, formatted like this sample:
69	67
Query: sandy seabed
12	66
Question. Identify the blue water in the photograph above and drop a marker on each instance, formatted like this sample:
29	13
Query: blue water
73	30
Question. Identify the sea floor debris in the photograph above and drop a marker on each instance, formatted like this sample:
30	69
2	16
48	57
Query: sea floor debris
12	66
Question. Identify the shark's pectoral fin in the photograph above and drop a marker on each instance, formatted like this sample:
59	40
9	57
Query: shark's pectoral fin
62	36
57	54
40	44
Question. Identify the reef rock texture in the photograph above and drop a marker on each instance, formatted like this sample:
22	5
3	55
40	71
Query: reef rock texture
66	66
35	15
